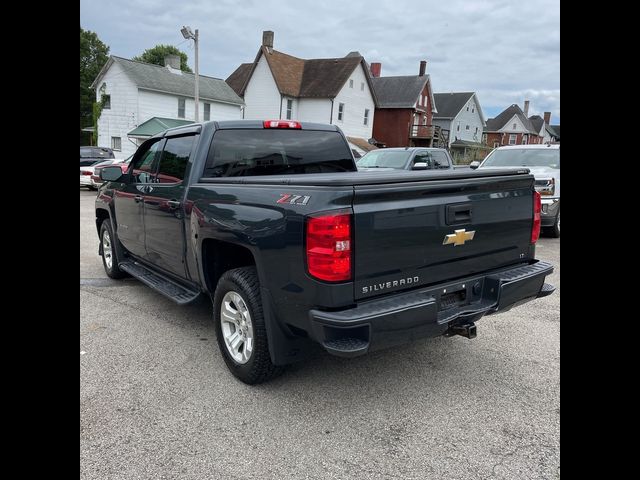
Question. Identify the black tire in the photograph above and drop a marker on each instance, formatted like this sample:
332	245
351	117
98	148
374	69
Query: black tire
113	271
554	231
258	368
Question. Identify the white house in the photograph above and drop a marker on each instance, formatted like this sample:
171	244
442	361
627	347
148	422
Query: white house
326	90
461	114
137	93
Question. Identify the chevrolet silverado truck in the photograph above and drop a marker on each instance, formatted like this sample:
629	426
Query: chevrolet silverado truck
273	222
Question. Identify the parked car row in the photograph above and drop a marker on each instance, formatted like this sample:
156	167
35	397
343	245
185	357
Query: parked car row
92	160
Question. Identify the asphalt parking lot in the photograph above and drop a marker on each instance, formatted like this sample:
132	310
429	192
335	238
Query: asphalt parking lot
157	402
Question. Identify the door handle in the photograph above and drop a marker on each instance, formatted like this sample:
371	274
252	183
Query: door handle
173	204
137	198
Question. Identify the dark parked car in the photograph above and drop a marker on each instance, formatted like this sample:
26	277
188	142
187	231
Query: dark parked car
92	155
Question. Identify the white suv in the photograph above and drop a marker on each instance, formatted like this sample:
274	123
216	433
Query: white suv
543	161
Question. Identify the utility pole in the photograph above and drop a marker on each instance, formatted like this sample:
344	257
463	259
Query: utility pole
195	39
187	33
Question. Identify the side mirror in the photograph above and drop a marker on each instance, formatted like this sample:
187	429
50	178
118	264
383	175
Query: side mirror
420	166
111	173
475	164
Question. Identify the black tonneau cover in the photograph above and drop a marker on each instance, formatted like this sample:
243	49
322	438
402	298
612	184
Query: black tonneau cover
368	178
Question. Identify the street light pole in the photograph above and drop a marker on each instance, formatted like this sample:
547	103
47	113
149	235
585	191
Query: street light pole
195	39
187	33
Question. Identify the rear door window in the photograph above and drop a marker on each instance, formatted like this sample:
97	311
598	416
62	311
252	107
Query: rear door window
440	159
251	152
174	159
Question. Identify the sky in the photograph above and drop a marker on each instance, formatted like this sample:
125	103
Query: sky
506	51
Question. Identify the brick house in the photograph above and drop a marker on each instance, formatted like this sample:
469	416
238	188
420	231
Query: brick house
404	114
511	127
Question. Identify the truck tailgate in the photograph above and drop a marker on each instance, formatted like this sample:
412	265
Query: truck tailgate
405	233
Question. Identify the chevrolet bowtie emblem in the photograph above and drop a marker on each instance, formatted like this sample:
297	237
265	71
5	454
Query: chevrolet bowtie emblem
458	237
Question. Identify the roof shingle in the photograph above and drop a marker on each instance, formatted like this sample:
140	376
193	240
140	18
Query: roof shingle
155	77
495	124
450	104
398	92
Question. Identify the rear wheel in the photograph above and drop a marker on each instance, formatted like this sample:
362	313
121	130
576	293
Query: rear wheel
109	256
240	327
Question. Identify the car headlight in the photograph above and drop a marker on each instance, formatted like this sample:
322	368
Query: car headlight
546	186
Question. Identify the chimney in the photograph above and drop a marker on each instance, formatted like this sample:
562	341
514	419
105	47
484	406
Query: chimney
547	118
376	68
172	61
526	108
423	67
267	39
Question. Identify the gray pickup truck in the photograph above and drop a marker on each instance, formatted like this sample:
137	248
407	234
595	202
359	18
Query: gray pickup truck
406	158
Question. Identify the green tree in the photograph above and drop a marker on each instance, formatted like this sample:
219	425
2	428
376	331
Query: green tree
156	56
93	55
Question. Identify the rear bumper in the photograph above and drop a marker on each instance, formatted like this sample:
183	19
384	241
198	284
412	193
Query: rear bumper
85	180
428	312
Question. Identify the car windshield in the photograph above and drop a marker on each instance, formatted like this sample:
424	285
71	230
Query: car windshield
524	157
384	159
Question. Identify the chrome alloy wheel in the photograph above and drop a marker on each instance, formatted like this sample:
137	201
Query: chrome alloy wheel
106	249
237	329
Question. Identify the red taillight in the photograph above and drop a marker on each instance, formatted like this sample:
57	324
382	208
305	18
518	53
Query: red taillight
329	246
281	124
537	207
85	172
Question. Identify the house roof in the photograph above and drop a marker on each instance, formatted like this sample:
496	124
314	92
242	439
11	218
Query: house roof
556	129
465	143
401	91
296	77
160	79
536	121
362	143
495	124
156	125
450	104
238	77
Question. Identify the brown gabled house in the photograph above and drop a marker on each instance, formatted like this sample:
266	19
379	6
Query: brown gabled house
404	115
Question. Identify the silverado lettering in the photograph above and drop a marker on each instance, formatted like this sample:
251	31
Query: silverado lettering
198	203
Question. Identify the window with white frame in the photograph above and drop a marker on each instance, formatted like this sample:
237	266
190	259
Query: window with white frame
524	140
473	109
515	125
181	107
116	143
512	139
106	102
340	111
467	108
207	112
476	130
350	83
467	127
289	109
366	116
496	144
362	86
458	127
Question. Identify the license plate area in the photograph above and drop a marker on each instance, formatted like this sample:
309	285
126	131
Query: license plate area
453	299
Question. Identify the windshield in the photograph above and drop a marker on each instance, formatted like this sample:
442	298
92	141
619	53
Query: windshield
524	157
384	159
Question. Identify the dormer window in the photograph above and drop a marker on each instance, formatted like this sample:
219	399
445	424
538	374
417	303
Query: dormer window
515	126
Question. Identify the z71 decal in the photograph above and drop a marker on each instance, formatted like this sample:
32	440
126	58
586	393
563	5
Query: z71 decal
294	199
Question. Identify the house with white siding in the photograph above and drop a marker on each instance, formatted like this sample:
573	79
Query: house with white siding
134	94
327	90
461	115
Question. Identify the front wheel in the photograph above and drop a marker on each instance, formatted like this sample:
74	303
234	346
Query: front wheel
109	256
240	327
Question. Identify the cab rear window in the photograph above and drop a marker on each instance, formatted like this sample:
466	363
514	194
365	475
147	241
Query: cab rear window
253	152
